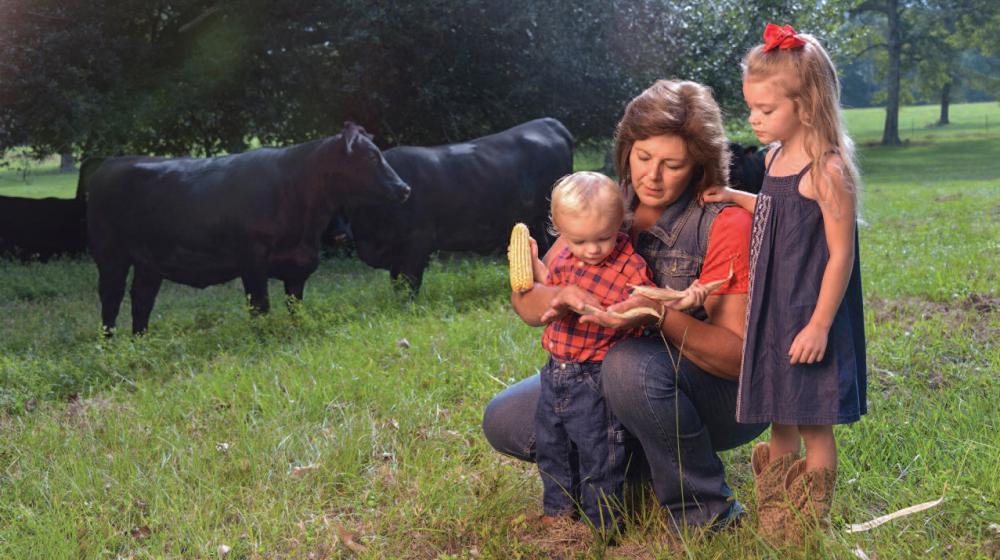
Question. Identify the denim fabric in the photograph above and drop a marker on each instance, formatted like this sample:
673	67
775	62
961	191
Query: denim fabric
580	445
681	417
656	405
676	244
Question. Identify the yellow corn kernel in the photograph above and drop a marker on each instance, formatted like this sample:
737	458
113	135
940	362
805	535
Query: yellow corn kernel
519	256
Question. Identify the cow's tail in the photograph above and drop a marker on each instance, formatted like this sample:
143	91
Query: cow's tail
87	170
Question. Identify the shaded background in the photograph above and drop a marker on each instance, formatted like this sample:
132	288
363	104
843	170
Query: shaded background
202	77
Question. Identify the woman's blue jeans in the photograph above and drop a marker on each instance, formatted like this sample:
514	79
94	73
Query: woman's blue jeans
680	415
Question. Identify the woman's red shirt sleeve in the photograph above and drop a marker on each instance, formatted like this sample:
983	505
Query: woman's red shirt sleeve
729	240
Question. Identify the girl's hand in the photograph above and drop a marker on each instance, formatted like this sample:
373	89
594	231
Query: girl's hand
569	298
718	194
696	294
809	345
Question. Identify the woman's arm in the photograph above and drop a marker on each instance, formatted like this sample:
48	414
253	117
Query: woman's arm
716	344
542	304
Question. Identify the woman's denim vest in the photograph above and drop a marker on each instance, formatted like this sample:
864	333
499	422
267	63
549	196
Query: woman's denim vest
675	246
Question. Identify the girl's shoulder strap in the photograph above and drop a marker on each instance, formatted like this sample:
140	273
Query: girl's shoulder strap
773	155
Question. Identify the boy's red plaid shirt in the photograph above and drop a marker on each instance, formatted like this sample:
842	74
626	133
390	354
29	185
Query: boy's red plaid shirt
569	340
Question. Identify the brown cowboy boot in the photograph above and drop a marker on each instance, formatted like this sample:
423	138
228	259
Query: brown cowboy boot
769	478
811	496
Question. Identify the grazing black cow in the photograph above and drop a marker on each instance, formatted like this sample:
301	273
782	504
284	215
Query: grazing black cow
200	222
746	167
466	197
40	228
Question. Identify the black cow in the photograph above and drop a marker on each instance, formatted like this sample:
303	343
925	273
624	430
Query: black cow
200	222
40	228
466	197
746	167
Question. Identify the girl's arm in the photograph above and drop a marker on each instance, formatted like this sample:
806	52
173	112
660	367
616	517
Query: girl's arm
838	208
745	200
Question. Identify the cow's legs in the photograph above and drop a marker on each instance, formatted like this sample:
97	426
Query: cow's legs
145	285
255	286
293	292
111	289
411	270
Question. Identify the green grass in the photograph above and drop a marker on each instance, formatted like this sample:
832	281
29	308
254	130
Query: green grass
919	123
115	449
35	179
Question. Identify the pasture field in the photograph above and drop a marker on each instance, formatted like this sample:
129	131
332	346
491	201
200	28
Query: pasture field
351	428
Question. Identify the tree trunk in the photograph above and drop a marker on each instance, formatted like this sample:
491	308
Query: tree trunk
945	100
890	134
66	163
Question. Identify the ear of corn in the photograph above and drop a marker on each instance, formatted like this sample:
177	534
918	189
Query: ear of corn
519	257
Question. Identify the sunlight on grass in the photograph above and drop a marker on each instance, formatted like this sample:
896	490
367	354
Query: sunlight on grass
189	438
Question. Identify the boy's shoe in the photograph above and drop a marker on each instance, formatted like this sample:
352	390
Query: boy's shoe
811	497
773	511
732	518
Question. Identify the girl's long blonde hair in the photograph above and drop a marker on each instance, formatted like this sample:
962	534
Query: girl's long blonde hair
814	87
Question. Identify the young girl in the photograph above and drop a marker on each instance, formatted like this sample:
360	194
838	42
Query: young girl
804	350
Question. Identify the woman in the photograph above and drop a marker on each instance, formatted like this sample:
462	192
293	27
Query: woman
669	148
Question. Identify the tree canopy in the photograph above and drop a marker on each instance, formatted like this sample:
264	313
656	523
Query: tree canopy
199	76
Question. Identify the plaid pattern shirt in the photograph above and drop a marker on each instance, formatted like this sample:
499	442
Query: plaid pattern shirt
569	340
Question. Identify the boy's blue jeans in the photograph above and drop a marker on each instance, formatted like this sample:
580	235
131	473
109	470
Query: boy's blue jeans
580	445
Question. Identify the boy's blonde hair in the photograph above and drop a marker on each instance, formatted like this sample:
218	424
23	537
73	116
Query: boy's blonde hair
814	87
585	191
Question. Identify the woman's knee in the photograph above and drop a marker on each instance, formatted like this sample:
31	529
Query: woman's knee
508	419
624	371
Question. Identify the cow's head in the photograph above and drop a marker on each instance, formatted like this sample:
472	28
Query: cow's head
360	172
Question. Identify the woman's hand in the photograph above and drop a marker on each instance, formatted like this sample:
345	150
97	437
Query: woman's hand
809	345
695	296
611	318
569	298
538	269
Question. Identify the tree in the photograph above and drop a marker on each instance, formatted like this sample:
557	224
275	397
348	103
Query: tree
923	41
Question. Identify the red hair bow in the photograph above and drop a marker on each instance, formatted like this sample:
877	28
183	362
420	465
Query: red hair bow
781	38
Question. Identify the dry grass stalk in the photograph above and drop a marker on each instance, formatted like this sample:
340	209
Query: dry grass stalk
348	539
630	314
667	294
868	525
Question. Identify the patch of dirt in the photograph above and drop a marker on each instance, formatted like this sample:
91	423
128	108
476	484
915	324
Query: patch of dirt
562	539
324	537
662	544
909	309
80	411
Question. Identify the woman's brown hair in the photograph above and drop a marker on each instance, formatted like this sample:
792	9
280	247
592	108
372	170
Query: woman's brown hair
679	108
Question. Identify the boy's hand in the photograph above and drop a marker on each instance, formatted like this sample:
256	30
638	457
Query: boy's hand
696	295
809	345
569	298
